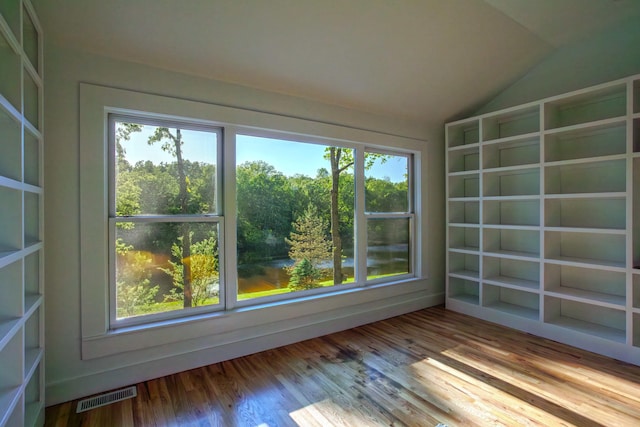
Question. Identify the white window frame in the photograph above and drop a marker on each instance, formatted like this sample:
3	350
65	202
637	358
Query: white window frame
409	214
214	217
98	338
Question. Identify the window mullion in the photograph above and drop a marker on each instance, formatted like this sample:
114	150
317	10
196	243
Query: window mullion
111	165
112	270
411	183
360	250
382	215
220	167
416	204
167	218
230	291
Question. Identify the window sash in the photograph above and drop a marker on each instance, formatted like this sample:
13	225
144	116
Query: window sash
363	216
154	120
116	323
412	247
410	178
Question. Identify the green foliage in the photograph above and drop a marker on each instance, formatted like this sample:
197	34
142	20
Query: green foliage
129	194
133	289
308	239
307	191
304	276
154	189
346	208
385	196
128	200
205	280
264	200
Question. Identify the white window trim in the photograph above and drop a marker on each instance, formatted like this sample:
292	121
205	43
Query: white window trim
96	102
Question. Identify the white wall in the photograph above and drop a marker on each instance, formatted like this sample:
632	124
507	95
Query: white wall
604	57
69	377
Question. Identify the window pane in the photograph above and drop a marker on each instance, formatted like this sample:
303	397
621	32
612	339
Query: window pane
165	266
284	216
161	170
387	247
386	183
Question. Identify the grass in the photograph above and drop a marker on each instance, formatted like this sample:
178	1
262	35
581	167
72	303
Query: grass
259	294
251	295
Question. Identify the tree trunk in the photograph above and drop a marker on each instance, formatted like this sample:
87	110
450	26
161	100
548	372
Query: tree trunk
186	235
335	216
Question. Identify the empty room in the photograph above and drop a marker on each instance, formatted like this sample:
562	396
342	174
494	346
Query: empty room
319	213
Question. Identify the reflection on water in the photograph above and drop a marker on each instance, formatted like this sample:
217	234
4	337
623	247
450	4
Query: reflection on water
387	259
274	275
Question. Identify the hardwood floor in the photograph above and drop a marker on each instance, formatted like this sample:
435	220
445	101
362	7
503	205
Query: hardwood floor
421	369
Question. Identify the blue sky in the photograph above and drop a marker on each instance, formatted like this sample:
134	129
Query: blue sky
288	157
199	146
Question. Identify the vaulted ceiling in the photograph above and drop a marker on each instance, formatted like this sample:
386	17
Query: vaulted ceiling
415	59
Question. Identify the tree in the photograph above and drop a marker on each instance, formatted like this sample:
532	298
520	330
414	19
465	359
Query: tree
158	188
308	191
265	212
382	195
308	239
304	276
341	159
129	192
123	133
203	267
173	144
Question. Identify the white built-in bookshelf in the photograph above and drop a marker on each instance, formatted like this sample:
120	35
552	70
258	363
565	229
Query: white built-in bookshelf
543	209
21	223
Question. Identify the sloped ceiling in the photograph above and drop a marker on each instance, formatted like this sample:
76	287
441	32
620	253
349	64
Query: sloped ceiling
561	22
416	59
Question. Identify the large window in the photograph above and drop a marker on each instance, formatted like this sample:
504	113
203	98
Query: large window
310	217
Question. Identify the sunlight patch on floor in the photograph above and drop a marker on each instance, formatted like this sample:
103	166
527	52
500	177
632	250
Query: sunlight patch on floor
467	401
313	411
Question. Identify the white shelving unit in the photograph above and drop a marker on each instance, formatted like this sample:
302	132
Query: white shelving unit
21	220
544	218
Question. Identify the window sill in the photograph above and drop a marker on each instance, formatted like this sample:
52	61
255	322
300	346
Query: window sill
243	323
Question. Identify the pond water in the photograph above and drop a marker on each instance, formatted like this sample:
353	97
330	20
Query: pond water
273	274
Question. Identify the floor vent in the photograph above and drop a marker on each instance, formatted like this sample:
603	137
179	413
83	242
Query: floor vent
106	399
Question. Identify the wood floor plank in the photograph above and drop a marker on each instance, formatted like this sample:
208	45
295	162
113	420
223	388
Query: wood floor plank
427	367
